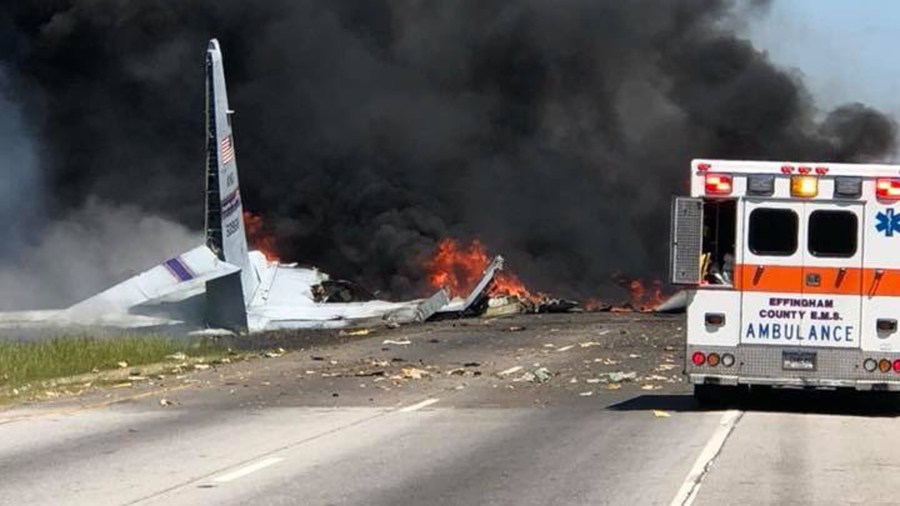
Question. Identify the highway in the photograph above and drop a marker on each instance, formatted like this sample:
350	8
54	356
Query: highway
462	414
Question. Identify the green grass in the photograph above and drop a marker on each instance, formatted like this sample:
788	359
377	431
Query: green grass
25	362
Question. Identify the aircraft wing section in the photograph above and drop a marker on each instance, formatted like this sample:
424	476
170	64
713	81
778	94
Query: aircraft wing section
175	279
284	300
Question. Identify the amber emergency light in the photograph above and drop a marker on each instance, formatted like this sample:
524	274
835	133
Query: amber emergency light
804	186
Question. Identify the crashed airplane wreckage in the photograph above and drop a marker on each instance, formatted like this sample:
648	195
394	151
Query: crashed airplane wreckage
224	285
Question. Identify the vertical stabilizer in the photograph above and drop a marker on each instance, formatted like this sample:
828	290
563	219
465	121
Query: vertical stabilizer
225	233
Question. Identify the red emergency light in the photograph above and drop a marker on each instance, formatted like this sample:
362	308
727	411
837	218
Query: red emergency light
885	188
718	184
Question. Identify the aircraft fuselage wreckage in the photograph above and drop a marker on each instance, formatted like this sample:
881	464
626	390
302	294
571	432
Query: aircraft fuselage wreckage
223	284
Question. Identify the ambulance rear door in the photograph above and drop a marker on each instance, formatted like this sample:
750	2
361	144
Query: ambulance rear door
770	275
832	274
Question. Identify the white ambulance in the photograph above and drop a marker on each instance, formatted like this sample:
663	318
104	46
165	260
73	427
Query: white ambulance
793	275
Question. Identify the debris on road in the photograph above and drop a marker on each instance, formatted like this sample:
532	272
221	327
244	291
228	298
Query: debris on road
588	344
587	394
507	372
516	328
650	387
661	414
165	402
413	373
355	333
614	386
542	374
620	376
566	348
397	342
277	353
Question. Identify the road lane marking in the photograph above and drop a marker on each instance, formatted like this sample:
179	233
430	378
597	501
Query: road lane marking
419	405
688	491
244	471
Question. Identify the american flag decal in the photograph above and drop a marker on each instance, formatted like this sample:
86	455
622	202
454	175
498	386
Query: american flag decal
227	150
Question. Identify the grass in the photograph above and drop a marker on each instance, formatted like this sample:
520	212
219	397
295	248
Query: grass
31	361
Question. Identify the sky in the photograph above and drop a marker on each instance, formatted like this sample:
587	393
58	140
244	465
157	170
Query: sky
848	50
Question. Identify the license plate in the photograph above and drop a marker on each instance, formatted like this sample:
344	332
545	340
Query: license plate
798	360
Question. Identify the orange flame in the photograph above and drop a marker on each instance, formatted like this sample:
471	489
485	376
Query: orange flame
259	236
640	298
459	269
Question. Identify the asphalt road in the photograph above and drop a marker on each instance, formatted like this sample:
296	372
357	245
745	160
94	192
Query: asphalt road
462	414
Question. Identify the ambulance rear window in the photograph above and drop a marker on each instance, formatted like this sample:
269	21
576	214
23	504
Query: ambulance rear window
832	233
773	232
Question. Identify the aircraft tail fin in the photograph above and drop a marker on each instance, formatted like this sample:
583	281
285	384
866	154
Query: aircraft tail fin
225	232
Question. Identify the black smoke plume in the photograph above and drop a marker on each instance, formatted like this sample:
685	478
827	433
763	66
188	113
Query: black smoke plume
366	131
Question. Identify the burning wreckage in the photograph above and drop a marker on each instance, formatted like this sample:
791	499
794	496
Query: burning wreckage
224	285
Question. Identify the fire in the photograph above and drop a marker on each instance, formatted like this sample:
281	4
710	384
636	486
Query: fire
459	268
641	298
260	237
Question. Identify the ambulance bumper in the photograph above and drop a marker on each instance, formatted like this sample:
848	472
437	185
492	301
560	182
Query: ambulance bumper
794	367
862	385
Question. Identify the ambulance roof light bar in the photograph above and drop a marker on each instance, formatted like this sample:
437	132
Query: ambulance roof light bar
887	188
718	184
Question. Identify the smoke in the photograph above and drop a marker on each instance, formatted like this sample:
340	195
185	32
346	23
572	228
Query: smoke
93	248
556	132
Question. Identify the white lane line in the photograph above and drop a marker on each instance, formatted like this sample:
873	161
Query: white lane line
244	471
688	491
419	405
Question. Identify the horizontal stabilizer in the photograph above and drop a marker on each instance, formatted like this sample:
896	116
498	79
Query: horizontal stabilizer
173	280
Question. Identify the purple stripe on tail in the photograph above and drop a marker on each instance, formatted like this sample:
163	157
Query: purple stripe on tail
179	269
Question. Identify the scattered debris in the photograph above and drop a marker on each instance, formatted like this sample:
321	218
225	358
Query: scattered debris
355	333
634	355
166	402
650	387
661	414
471	364
201	367
277	353
397	342
509	371
613	386
542	374
413	373
589	344
566	348
516	328
587	394
620	376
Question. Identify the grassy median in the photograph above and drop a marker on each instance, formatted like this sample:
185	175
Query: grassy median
31	361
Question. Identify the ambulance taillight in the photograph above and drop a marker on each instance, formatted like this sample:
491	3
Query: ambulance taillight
718	184
887	188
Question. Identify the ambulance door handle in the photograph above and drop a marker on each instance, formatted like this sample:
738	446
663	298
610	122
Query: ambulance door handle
879	273
758	273
840	277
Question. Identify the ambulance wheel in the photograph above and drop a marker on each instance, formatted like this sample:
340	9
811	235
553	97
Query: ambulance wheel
718	395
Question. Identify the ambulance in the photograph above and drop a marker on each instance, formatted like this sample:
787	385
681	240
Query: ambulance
792	275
